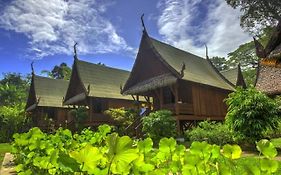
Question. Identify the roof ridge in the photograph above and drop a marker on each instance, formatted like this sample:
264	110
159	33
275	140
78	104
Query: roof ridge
178	48
103	66
38	76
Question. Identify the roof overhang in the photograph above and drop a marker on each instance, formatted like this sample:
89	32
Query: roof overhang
75	99
151	84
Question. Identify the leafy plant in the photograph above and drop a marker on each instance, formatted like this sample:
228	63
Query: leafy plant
80	115
251	113
106	153
211	132
123	117
159	124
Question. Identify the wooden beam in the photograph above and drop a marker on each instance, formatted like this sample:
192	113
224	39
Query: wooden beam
161	98
133	97
176	99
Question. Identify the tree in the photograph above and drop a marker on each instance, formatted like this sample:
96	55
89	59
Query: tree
257	14
251	113
13	89
59	72
245	54
220	63
13	94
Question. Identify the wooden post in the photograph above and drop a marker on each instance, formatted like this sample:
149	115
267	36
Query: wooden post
91	110
138	102
161	98
176	99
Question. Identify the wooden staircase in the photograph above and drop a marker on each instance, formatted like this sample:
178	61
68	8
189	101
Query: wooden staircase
135	129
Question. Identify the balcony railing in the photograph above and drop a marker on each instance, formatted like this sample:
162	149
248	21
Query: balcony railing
183	108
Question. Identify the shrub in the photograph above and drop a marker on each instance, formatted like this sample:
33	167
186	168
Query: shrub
80	115
123	117
159	124
212	132
12	120
251	113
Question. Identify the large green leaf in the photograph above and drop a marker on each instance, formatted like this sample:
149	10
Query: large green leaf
266	148
88	157
121	153
232	151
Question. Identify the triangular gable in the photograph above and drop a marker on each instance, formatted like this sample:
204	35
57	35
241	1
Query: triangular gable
174	64
31	100
147	69
76	91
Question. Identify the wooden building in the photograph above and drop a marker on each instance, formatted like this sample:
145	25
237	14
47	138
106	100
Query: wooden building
45	101
188	85
269	69
235	76
97	87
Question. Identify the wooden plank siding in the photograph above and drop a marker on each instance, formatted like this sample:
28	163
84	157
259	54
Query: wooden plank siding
193	99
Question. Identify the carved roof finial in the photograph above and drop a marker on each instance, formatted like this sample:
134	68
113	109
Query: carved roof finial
142	22
260	51
207	56
32	68
75	51
182	69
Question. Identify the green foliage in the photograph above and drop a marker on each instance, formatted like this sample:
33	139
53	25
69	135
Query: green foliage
245	55
59	72
80	114
159	124
211	132
257	14
251	113
13	89
13	93
220	63
12	120
63	153
123	117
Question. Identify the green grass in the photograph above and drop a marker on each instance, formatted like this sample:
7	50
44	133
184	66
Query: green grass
4	147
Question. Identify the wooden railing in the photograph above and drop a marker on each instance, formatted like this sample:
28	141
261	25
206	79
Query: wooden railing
183	108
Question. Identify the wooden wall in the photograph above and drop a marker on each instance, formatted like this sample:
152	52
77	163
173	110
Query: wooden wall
209	101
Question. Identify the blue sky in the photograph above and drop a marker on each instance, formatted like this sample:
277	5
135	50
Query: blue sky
109	31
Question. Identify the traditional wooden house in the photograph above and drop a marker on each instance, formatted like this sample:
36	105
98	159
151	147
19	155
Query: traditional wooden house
269	69
234	76
97	87
45	101
188	85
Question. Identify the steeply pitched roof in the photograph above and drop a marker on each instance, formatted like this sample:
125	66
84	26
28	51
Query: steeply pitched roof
197	69
181	65
102	81
235	76
46	92
231	75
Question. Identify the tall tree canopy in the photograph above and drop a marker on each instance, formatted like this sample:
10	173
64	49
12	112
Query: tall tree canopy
245	54
13	89
257	14
220	63
61	71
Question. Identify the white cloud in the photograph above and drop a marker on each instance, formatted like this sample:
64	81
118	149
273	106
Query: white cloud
183	24
53	26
